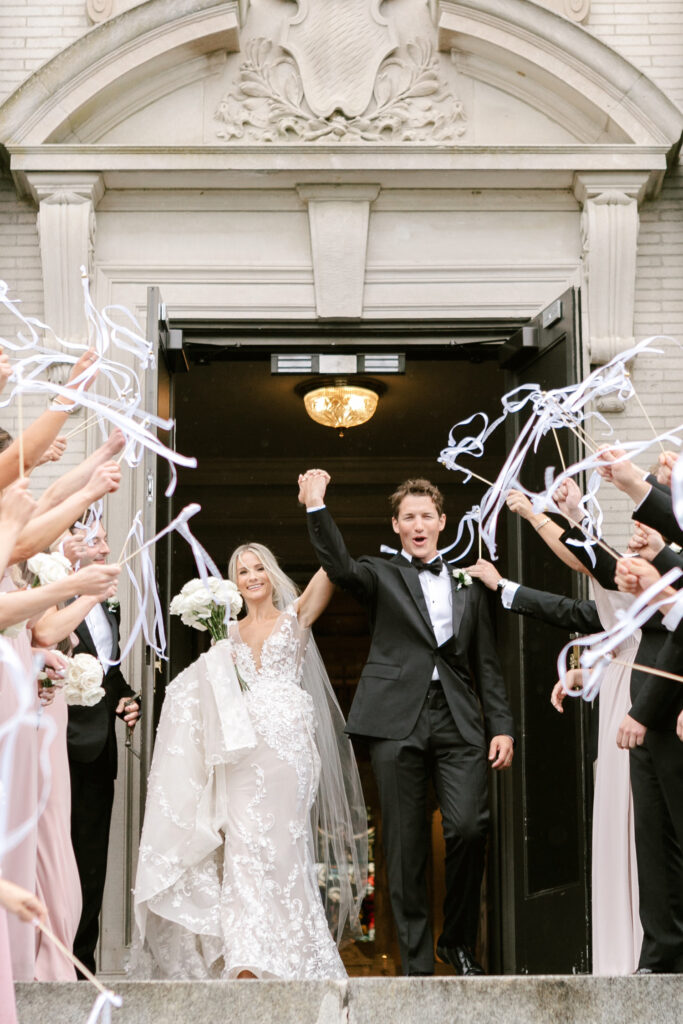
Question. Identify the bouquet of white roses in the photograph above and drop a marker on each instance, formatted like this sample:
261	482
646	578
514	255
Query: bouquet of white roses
48	568
83	681
203	605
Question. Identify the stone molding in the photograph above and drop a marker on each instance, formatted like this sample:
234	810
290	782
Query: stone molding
66	231
157	34
575	62
543	44
575	10
338	218
609	233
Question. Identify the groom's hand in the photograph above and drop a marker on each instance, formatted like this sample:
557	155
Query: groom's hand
501	751
312	486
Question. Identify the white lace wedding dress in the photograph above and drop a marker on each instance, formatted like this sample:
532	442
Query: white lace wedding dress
227	879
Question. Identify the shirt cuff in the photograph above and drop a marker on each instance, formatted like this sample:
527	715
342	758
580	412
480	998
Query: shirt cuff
674	615
507	594
636	507
316	508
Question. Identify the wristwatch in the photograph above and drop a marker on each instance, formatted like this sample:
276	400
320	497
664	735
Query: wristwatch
501	584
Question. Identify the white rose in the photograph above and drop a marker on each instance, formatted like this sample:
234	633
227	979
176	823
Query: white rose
200	604
84	698
191	587
49	568
191	620
83	680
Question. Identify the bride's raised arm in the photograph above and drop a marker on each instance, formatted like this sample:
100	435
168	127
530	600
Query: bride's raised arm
315	598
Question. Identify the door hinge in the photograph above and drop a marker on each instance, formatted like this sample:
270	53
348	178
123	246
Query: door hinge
150	487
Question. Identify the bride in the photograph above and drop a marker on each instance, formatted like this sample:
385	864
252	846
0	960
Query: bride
254	801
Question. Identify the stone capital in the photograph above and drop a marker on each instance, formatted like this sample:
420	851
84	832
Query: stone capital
338	217
609	232
66	229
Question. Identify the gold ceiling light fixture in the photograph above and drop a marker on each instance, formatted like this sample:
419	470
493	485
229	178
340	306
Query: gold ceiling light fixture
341	402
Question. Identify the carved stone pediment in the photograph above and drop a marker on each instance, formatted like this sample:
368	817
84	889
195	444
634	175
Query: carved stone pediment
408	102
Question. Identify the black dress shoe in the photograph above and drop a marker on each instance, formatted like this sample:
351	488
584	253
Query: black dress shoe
459	957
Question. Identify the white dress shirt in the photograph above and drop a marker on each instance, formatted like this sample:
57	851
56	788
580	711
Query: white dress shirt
101	633
439	599
508	592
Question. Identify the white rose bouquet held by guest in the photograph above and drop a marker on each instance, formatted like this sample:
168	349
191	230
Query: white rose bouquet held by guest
48	568
83	682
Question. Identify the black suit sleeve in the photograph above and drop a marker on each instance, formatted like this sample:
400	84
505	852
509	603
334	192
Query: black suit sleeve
484	657
605	564
651	479
556	610
669	559
659	699
356	576
656	510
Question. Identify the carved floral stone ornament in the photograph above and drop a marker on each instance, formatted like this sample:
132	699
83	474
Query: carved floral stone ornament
407	102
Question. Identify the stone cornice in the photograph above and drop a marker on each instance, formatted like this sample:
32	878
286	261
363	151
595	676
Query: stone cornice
581	62
220	167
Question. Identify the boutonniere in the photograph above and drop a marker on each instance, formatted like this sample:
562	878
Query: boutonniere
113	604
462	578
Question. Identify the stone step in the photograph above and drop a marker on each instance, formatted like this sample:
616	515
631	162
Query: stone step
654	999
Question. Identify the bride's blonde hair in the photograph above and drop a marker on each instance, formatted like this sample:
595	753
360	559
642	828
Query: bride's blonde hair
284	589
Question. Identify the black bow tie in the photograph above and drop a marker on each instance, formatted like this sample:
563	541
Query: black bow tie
436	566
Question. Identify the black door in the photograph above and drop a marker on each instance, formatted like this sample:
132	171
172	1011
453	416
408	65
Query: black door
543	822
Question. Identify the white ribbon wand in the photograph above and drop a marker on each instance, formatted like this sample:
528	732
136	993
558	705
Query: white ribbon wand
601	645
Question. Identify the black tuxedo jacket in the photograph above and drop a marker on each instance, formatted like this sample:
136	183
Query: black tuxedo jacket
92	730
404	651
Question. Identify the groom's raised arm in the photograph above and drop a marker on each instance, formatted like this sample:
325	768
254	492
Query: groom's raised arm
328	543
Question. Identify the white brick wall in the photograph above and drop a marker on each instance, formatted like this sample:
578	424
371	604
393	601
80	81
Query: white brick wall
649	33
659	310
32	32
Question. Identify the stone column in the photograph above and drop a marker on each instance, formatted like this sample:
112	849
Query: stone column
609	229
66	227
338	217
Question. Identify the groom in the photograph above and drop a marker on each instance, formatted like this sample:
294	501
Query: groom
432	672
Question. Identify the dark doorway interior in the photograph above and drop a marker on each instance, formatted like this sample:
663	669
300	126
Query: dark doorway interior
252	436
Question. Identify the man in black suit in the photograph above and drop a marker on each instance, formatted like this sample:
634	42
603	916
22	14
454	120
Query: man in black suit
431	676
91	744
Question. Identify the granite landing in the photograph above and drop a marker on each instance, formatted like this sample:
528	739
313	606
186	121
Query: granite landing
491	1000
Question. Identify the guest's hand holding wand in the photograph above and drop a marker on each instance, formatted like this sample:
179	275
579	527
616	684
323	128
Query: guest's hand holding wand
574	682
623	474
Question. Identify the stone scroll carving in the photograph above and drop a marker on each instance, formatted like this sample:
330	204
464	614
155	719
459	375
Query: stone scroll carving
575	10
408	102
609	230
66	230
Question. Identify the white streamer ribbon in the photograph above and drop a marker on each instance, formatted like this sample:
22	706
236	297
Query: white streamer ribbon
101	1009
595	660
